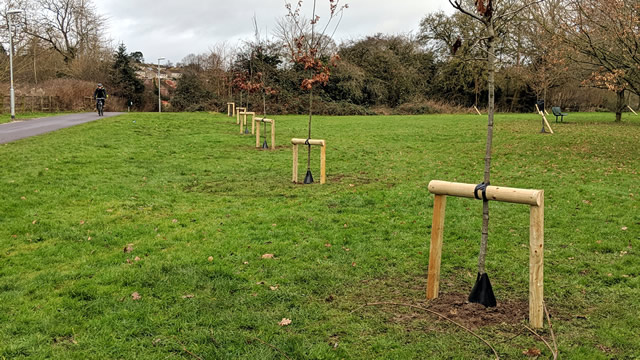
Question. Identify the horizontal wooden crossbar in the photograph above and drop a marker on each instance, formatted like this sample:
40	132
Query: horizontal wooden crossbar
495	193
296	141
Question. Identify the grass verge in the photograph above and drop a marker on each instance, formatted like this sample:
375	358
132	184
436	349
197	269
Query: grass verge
179	209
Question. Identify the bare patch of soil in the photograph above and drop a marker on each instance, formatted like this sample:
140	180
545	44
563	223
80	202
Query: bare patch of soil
455	307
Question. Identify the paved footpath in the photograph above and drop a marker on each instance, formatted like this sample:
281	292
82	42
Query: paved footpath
21	129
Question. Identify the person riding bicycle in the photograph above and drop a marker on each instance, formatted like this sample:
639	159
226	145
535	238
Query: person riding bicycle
100	94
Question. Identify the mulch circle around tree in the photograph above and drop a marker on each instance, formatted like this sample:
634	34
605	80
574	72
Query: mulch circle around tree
456	307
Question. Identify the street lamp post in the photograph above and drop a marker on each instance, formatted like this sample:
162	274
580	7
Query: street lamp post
12	95
159	98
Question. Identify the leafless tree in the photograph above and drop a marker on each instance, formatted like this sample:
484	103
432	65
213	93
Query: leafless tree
70	27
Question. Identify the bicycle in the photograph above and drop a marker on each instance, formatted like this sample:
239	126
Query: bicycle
100	106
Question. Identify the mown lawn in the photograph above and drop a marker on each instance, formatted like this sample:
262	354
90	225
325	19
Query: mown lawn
180	189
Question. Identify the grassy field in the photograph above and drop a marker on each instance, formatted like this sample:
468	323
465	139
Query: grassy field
144	236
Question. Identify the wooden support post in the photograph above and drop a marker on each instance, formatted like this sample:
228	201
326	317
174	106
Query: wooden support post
323	157
536	265
323	162
231	109
632	110
257	131
238	111
544	118
435	254
257	122
273	134
478	111
534	198
295	164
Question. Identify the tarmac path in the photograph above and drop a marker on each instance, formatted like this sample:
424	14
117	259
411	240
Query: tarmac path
21	129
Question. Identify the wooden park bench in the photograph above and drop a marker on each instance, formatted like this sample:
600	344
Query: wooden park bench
557	112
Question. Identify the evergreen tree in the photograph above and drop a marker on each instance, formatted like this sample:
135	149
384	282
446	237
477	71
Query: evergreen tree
126	83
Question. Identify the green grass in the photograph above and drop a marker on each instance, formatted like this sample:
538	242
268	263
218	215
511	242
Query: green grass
184	187
6	117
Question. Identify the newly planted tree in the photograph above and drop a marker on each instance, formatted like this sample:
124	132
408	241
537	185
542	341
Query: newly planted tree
307	48
494	16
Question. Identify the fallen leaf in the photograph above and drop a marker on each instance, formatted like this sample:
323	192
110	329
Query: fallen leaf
353	264
284	322
136	296
624	228
210	258
346	249
267	256
246	263
129	261
345	225
274	288
81	222
260	283
89	238
128	248
532	352
136	258
23	198
174	221
274	224
34	222
327	245
188	296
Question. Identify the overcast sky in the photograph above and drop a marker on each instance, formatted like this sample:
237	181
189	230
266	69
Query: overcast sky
174	29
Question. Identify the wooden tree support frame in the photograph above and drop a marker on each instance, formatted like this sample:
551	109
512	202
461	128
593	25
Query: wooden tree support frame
238	111
544	118
323	157
635	113
476	109
256	122
231	109
243	122
534	198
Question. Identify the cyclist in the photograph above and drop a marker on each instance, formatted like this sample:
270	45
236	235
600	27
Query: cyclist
100	95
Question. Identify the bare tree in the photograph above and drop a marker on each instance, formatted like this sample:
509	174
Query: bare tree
70	27
605	35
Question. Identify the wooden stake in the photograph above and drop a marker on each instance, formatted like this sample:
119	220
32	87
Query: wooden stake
295	164
478	111
435	254
323	161
273	134
257	132
544	118
632	110
536	265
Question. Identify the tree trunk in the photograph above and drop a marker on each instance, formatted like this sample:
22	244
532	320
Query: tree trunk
309	136
487	158
620	103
